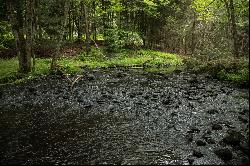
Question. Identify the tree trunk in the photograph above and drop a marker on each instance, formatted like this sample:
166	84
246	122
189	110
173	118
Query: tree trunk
193	43
94	24
70	26
30	28
60	38
231	18
87	41
104	18
234	29
17	21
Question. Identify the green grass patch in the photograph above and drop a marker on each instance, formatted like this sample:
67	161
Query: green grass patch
71	65
128	58
230	69
9	69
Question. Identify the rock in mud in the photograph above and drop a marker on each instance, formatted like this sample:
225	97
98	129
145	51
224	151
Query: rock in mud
197	154
244	147
212	111
147	113
31	90
166	101
80	100
228	124
65	97
87	105
216	127
244	161
194	80
194	130
90	76
190	137
190	161
242	119
200	143
120	74
244	111
224	154
233	138
210	140
111	107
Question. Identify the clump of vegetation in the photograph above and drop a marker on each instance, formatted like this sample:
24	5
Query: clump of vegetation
70	65
240	77
230	69
119	38
9	69
95	54
130	58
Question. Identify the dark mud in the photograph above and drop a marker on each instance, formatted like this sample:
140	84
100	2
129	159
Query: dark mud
124	117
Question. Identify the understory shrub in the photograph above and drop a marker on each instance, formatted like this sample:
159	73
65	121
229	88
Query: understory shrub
117	39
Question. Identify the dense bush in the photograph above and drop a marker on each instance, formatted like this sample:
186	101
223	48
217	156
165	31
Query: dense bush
130	39
117	39
230	69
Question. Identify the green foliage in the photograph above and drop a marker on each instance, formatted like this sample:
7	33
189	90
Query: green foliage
230	69
112	40
160	58
191	63
9	69
130	39
6	37
204	8
118	38
239	77
93	55
151	8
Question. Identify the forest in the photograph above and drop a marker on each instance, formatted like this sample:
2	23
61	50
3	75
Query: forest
93	82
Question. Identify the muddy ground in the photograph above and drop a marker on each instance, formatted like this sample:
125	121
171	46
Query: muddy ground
124	117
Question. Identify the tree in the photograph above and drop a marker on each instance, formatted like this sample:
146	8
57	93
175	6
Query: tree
16	17
87	32
59	36
231	16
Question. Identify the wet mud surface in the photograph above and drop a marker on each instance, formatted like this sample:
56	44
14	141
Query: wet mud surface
125	117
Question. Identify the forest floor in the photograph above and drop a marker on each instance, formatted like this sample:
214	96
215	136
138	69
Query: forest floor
124	116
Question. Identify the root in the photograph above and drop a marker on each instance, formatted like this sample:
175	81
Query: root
73	81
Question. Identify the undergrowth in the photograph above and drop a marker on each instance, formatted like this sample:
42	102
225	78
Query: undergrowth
128	58
9	69
230	69
227	68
